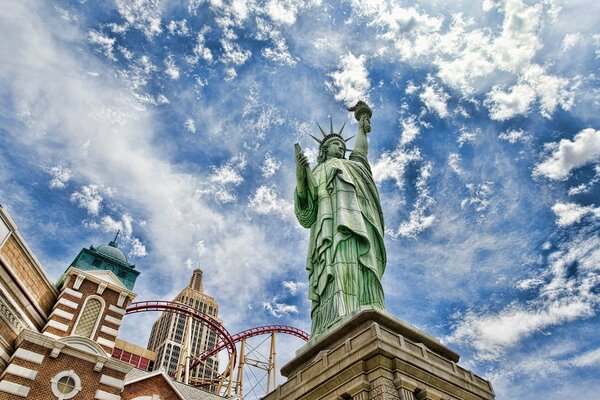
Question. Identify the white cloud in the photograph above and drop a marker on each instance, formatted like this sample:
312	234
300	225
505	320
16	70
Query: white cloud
260	117
137	249
279	309
505	105
466	136
190	125
418	221
436	100
410	130
513	136
586	187
569	155
294	286
570	40
171	68
233	53
454	163
480	196
105	43
392	165
270	166
144	15
200	50
178	28
491	334
351	82
411	31
266	200
230	172
572	213
60	177
534	84
588	359
562	297
88	198
285	12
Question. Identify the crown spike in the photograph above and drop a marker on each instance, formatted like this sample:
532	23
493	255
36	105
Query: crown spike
319	141
347	139
321	129
330	124
342	129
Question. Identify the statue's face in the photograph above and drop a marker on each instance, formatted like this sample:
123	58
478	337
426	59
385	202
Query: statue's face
335	149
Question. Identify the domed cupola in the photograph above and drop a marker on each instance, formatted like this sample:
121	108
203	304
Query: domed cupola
106	258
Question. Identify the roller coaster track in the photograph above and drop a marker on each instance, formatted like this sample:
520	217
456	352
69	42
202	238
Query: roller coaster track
227	341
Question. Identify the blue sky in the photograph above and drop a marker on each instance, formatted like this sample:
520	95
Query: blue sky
174	121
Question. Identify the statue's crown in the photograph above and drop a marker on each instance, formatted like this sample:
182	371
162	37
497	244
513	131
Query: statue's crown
327	137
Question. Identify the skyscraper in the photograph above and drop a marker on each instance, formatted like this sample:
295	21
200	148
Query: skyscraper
173	334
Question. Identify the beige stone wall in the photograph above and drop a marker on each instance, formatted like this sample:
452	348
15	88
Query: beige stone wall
371	357
28	274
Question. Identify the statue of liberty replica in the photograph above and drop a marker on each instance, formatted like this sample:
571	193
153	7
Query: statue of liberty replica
339	202
357	350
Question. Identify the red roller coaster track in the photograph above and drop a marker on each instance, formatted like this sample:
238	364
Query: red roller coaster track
260	330
228	341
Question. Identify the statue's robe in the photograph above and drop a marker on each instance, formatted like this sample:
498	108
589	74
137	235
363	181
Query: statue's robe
346	255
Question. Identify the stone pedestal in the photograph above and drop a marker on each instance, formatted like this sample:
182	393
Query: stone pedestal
374	356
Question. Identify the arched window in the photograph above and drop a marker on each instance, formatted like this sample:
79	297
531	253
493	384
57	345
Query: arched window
88	320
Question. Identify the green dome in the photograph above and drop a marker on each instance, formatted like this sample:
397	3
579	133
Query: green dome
112	252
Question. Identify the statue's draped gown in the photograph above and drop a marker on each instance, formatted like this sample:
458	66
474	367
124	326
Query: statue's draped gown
346	255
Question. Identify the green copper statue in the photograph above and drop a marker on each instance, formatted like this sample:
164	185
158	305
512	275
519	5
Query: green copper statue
339	202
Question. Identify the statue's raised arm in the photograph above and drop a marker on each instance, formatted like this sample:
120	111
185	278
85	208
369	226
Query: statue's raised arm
346	256
363	114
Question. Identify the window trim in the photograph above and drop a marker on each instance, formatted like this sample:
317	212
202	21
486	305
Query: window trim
63	374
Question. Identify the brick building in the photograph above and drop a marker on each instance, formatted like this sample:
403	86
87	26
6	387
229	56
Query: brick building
56	340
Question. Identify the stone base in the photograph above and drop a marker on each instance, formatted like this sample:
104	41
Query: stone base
375	356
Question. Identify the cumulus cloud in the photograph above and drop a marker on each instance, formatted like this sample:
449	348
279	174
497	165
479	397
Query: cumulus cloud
436	100
569	41
569	155
144	15
392	165
179	28
294	286
266	200
588	359
351	82
480	197
586	187
137	249
534	84
60	177
410	30
171	68
454	163
466	136
270	166
200	50
513	136
563	296
418	220
279	309
230	172
190	125
104	43
572	213
88	198
410	130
